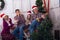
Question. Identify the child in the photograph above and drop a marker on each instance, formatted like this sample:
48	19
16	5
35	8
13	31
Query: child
7	24
20	22
28	21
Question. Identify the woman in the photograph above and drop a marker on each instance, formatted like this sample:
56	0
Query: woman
7	24
29	20
26	27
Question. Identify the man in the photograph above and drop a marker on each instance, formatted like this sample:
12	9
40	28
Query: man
36	19
35	14
20	21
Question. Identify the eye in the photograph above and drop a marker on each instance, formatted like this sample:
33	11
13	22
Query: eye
2	4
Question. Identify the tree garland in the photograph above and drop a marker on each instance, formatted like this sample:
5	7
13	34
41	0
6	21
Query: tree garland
2	4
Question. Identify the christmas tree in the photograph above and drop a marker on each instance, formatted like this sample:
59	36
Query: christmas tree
39	3
44	29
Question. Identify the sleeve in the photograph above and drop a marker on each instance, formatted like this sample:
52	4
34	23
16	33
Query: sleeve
23	19
15	20
11	23
5	25
32	17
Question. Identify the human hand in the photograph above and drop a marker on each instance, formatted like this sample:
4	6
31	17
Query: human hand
43	16
38	19
15	21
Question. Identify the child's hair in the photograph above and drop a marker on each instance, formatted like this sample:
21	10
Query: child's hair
7	15
17	10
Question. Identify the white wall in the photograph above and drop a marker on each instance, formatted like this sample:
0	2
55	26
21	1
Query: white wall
55	13
54	3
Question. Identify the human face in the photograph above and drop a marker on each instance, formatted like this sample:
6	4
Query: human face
28	16
17	12
35	10
6	17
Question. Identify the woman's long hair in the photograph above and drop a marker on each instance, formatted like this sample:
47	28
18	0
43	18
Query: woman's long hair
30	17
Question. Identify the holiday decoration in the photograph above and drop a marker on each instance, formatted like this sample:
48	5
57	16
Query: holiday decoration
34	7
28	12
2	15
40	5
45	28
2	4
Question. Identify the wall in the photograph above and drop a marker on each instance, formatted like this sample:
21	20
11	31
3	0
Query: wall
55	13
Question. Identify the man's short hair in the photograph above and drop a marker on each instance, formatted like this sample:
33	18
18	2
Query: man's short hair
17	10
